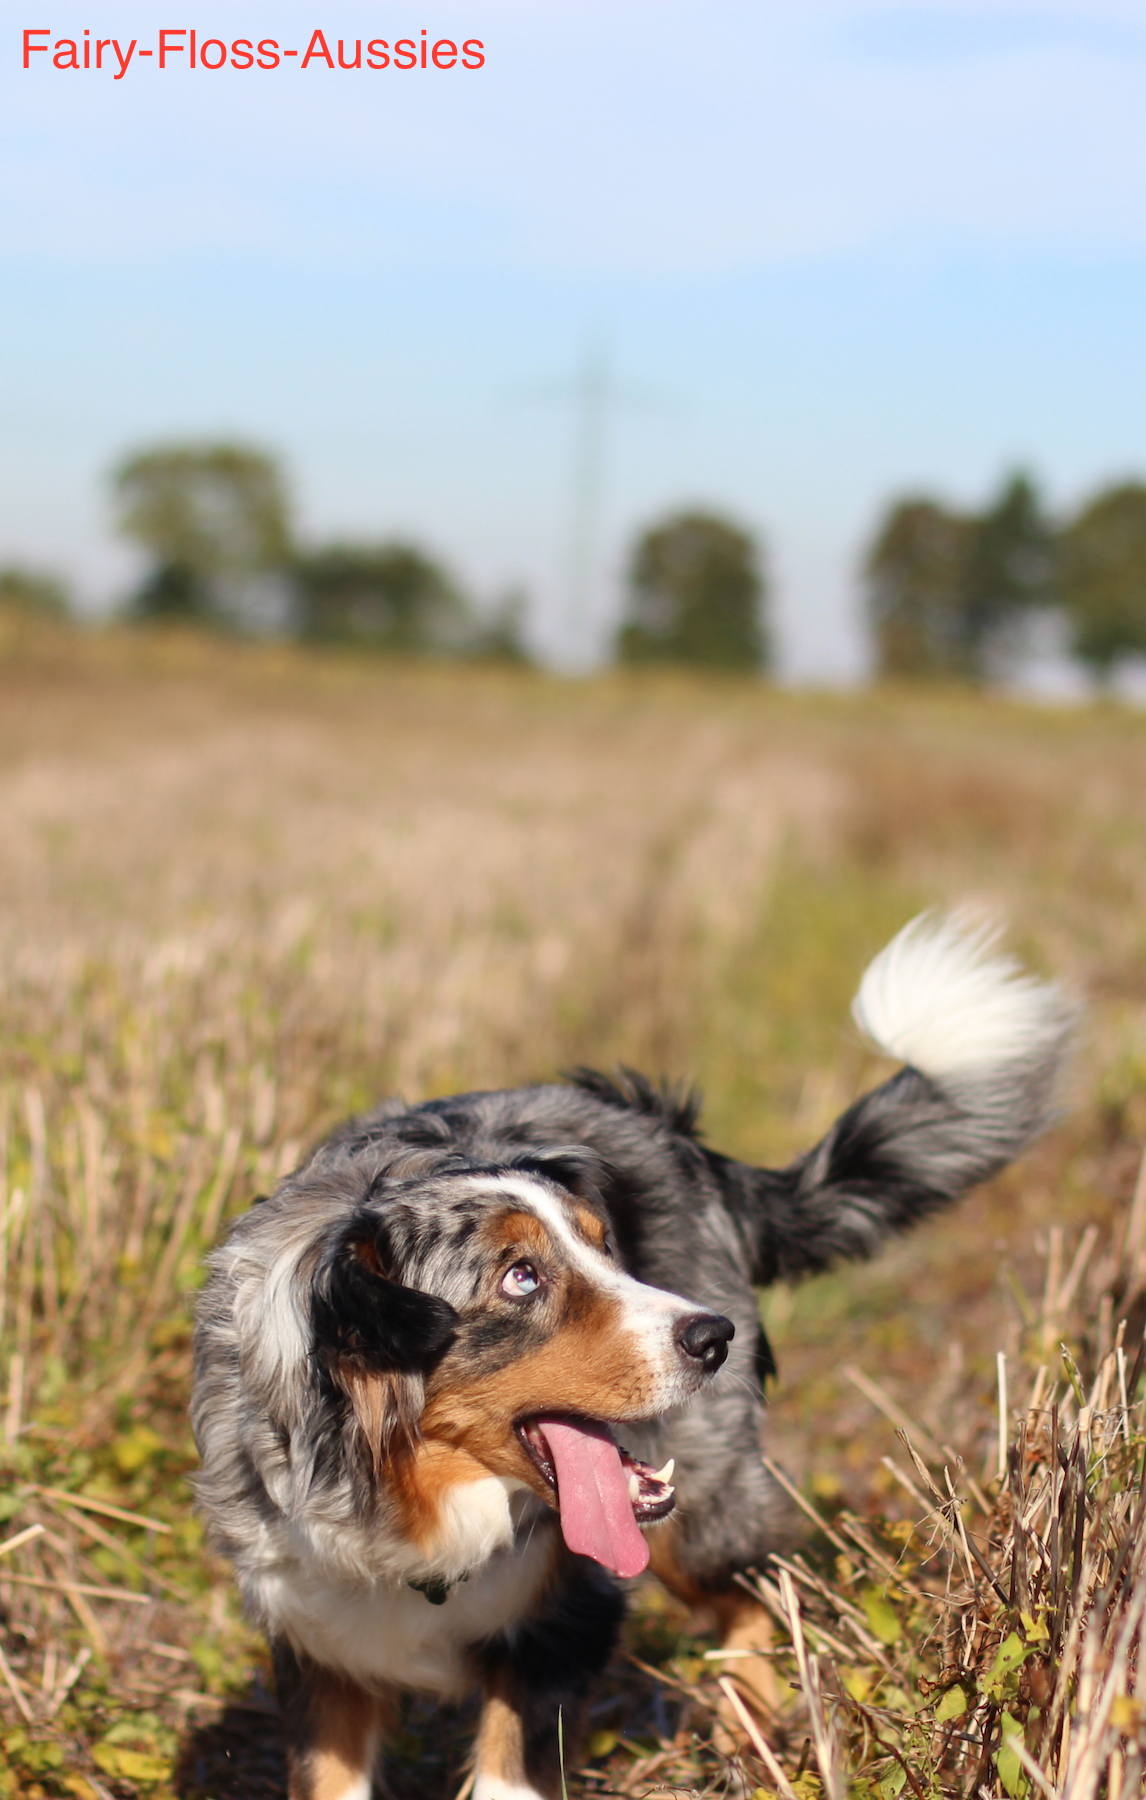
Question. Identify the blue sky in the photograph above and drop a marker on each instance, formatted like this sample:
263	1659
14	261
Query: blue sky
831	251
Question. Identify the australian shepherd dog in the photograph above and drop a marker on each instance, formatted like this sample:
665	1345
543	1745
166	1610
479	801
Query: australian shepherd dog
477	1362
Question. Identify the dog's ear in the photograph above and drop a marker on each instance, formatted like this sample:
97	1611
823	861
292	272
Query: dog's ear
376	1337
580	1171
361	1312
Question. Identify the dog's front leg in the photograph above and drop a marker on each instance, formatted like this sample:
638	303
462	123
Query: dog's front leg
745	1629
538	1676
333	1730
506	1769
519	1750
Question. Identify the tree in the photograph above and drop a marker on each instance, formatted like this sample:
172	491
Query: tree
1104	577
946	591
388	596
215	520
914	573
696	595
1010	568
23	590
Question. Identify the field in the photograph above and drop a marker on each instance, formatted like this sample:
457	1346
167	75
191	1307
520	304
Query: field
244	891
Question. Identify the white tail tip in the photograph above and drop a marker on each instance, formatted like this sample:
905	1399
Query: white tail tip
940	998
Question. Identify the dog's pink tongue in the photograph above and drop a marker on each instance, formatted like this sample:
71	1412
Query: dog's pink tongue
593	1494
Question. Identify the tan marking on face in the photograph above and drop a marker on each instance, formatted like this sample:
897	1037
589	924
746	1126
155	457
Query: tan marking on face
589	1225
466	1430
522	1230
345	1730
587	1366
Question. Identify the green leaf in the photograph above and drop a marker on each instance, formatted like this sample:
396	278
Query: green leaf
896	1699
1011	1772
209	1660
952	1706
1010	1655
32	1756
131	1765
143	1731
139	1447
881	1616
858	1682
1073	1375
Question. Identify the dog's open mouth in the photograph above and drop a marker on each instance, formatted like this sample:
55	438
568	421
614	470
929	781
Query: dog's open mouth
602	1491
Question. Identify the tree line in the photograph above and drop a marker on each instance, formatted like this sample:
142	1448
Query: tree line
946	591
214	522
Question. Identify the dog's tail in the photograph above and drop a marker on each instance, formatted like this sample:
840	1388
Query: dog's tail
984	1046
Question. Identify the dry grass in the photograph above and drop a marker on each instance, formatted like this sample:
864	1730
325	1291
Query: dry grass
244	891
993	1642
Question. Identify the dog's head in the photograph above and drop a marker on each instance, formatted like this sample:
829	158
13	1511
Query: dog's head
478	1322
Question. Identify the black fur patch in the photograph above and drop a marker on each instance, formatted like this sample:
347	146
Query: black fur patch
897	1155
763	1361
574	1168
676	1105
359	1311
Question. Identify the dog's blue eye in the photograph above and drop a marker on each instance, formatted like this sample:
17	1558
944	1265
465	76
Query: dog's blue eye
522	1279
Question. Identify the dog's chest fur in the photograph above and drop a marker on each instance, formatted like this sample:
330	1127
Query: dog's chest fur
356	1608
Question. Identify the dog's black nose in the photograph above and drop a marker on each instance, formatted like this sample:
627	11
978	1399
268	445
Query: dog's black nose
705	1337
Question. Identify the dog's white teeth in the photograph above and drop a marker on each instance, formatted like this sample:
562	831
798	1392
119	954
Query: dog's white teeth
634	1488
665	1475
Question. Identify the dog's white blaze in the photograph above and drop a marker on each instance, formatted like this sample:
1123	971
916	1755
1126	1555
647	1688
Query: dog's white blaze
649	1313
586	1258
937	998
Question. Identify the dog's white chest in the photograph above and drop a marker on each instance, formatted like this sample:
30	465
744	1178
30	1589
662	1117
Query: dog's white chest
386	1631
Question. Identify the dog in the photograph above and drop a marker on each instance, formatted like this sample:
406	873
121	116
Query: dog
460	1363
